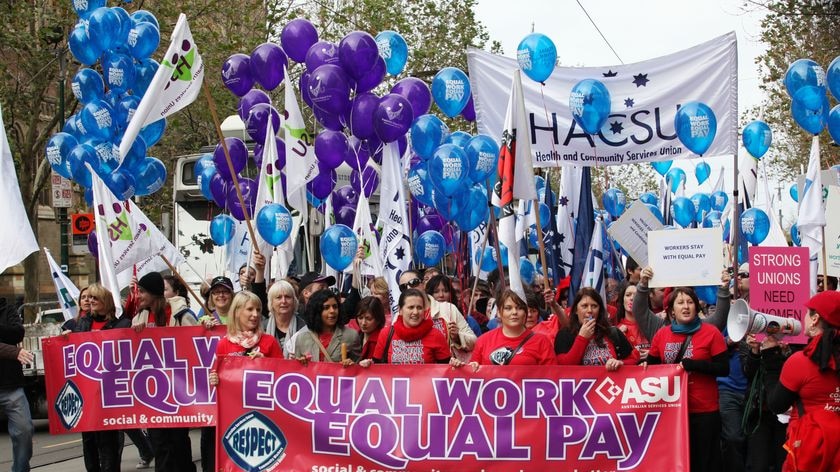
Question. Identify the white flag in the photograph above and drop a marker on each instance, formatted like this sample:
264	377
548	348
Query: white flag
160	247
593	270
301	164
748	175
175	85
363	227
396	246
237	251
811	217
270	190
17	239
102	198
65	289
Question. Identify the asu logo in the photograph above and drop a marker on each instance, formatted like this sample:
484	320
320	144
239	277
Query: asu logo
68	404
254	442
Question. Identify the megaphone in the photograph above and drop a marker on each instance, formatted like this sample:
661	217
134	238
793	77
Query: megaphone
743	320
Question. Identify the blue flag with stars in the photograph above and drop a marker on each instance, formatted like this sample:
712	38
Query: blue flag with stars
583	232
551	239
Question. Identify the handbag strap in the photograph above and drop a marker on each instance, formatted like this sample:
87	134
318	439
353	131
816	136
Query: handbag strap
384	359
683	347
530	335
321	346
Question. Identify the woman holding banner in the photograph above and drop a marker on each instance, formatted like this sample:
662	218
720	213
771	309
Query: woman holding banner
102	449
699	349
370	318
512	343
283	321
589	339
626	322
325	338
412	338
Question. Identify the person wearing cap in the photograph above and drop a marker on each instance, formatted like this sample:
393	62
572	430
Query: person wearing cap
221	296
310	283
811	377
744	281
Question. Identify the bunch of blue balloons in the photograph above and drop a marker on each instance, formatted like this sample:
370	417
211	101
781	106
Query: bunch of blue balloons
122	45
807	85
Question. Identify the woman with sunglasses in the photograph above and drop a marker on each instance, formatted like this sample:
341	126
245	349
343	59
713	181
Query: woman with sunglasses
325	338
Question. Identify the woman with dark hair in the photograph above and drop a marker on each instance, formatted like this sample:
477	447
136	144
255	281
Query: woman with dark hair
412	338
325	338
626	321
175	292
102	449
700	349
440	288
589	339
155	310
370	317
84	310
809	380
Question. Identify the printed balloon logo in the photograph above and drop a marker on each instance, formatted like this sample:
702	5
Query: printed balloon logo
254	442
68	404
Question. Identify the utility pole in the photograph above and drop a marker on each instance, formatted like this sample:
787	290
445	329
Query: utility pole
62	212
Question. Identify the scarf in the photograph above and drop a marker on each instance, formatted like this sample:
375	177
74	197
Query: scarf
688	328
409	334
246	339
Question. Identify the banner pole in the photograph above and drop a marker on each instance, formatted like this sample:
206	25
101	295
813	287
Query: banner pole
495	228
825	260
735	228
536	209
176	274
212	105
475	282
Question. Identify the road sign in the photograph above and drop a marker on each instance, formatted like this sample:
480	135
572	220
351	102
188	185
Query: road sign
62	193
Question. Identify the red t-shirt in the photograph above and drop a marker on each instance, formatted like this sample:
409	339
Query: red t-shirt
706	343
267	345
818	390
588	352
493	347
97	325
633	334
429	349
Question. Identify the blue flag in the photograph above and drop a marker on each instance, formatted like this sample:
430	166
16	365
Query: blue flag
583	232
552	239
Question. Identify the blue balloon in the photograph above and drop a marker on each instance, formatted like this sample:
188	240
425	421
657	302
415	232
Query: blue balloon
649	198
76	160
449	207
136	154
88	86
475	211
222	229
703	205
150	176
204	178
119	72
833	123
458	138
589	103
144	71
125	109
684	211
70	126
126	24
83	9
803	73
488	261
707	294
58	149
794	192
755	225
483	153
97	120
143	40
393	49
614	202
674	178
537	56
702	171
812	120
419	184
527	271
103	28
152	132
757	138
451	91
794	235
107	157
427	133
83	49
121	183
655	210
504	256
662	166
832	77
719	200
430	248
144	16
712	219
274	223
338	246
448	169
205	161
545	215
696	126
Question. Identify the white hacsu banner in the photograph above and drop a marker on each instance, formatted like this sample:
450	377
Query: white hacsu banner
645	98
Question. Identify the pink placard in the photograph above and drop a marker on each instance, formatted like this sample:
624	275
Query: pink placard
779	284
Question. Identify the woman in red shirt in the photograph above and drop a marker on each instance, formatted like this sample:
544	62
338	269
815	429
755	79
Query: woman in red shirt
626	321
245	336
700	349
412	338
589	339
370	319
512	343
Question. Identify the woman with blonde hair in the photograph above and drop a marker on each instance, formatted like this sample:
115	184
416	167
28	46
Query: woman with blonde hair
283	320
245	336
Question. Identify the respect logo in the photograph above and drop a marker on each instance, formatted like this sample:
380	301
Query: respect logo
68	404
254	442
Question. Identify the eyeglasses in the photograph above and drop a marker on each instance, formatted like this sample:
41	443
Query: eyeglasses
744	275
411	283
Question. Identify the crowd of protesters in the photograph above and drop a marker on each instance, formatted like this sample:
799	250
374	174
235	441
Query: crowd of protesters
739	393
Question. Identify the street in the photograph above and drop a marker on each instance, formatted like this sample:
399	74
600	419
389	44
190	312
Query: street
64	452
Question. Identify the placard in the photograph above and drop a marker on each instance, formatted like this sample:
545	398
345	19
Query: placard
685	257
631	231
779	284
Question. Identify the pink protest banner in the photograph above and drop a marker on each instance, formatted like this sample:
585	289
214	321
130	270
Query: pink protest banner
119	379
779	281
276	415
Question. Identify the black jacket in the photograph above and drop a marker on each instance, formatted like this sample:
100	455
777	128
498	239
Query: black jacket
11	332
85	324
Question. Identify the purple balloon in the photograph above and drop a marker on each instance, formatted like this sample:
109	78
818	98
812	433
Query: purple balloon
257	122
392	118
372	77
219	190
249	194
329	89
332	148
321	53
297	37
331	121
402	144
416	92
369	180
359	154
345	195
236	74
469	110
346	216
429	222
361	115
322	185
238	155
358	53
253	97
303	86
268	62
93	244
280	163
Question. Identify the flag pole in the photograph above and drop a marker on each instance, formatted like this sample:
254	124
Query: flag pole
184	282
475	282
735	228
536	209
212	105
495	228
825	260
